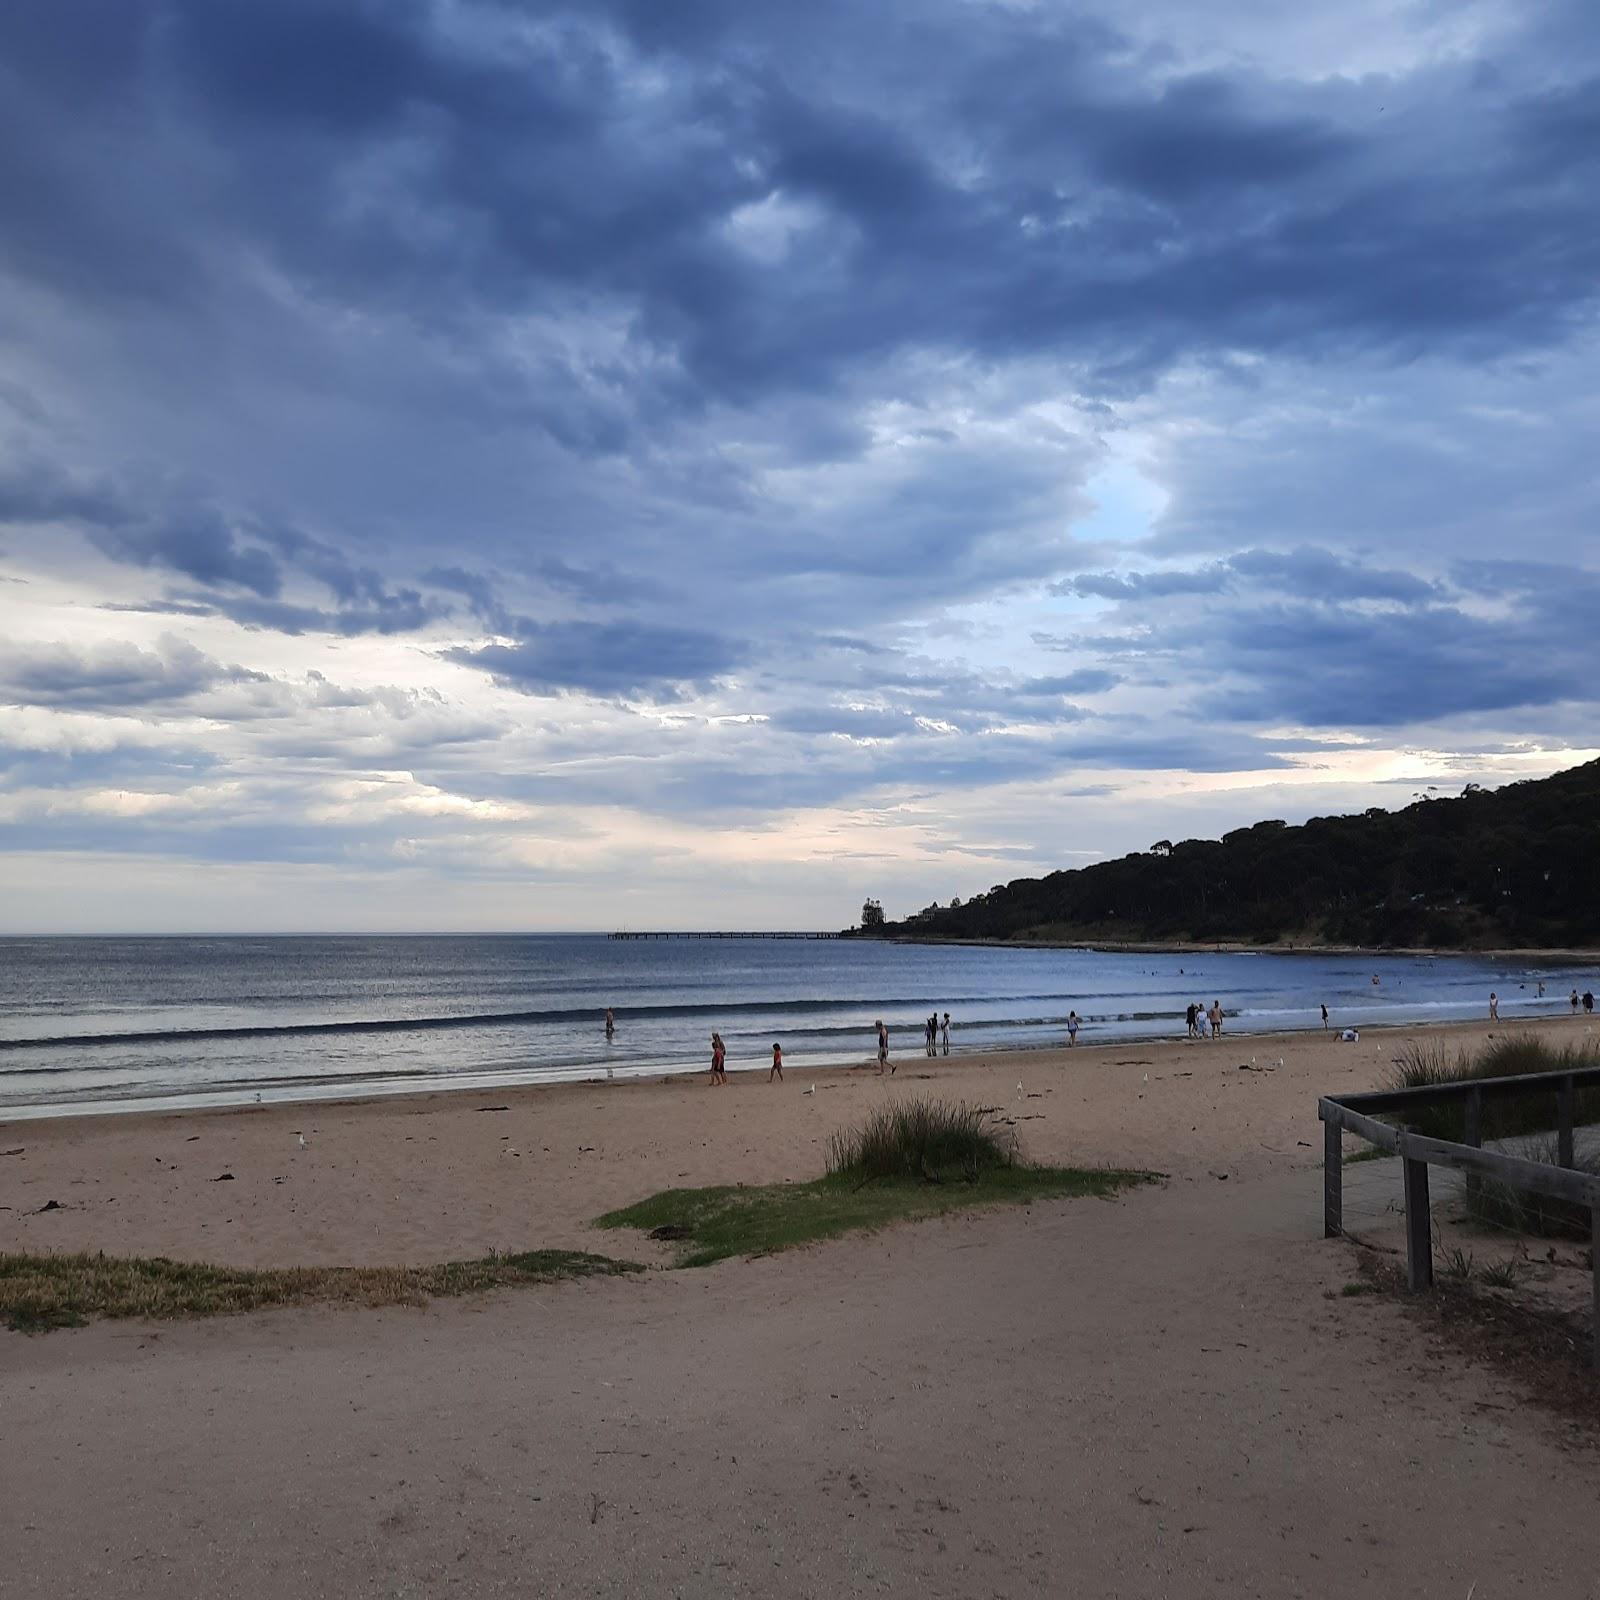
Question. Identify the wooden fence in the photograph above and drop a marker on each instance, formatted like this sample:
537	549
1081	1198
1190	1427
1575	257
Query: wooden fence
1358	1114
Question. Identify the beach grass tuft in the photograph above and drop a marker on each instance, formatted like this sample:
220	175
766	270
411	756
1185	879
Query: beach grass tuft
1512	1055
935	1140
38	1292
912	1160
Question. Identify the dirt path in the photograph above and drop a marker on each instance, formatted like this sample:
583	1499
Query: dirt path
1140	1398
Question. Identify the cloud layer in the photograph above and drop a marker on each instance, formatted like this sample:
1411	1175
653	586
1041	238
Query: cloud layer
632	450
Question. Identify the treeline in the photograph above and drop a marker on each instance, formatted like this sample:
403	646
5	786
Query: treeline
1517	866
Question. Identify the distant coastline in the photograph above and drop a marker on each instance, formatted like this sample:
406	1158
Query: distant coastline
1224	947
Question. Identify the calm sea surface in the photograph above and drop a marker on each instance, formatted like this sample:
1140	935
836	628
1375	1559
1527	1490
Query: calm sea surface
109	1024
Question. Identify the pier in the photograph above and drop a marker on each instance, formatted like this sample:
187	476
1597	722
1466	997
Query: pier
722	935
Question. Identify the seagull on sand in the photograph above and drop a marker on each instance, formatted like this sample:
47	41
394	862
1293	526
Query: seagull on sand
811	1090
302	1138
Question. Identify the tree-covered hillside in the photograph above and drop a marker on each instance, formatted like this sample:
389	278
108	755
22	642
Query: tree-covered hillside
1517	866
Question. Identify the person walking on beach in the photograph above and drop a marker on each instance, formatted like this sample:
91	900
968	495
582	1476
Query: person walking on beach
719	1059
1072	1028
1588	1001
1574	1002
947	1033
1324	1017
883	1049
1188	1017
777	1064
1494	1006
1215	1015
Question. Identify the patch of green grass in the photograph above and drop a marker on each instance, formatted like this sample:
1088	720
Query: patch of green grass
1351	1290
912	1158
38	1292
713	1224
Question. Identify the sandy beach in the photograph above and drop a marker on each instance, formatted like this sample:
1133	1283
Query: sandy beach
426	1178
1161	1395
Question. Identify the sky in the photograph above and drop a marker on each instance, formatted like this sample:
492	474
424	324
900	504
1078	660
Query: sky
468	464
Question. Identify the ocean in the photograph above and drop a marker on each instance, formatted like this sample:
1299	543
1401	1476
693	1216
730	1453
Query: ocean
107	1024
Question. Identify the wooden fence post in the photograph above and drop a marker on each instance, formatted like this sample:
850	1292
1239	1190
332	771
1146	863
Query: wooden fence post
1564	1116
1332	1180
1594	1260
1419	1232
1472	1133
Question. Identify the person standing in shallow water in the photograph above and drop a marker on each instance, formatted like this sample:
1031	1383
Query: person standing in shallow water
1215	1017
1072	1028
947	1033
719	1059
1324	1017
1188	1018
883	1049
611	1024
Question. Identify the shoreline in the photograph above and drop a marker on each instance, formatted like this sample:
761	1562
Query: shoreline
668	1072
421	1178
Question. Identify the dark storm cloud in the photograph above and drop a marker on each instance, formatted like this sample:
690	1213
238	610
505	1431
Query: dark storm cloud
115	677
604	659
192	540
1314	639
403	611
1133	214
1311	573
1328	667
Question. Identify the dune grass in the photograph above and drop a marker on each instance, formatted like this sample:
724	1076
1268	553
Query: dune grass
911	1160
1489	1202
38	1292
1512	1055
923	1138
1504	1207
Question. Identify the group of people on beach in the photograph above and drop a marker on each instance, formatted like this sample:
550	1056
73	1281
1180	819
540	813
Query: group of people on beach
933	1031
719	1061
1200	1022
1574	1000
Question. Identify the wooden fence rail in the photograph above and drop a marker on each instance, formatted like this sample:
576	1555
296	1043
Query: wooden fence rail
1354	1113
